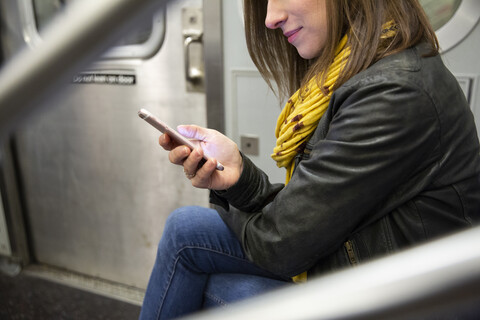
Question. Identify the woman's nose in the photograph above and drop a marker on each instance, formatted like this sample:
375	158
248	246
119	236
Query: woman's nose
276	16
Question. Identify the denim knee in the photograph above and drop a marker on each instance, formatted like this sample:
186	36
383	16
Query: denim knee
184	225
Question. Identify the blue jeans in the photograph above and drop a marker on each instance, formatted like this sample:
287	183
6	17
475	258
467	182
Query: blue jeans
200	263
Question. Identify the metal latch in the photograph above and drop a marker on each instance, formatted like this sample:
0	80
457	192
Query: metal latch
192	23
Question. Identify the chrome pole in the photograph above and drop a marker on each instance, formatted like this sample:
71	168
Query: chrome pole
81	33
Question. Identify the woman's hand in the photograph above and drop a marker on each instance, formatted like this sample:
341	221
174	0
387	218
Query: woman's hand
216	146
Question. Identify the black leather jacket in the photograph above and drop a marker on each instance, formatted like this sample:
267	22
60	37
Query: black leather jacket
394	162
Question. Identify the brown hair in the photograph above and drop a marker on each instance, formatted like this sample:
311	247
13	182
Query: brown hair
279	61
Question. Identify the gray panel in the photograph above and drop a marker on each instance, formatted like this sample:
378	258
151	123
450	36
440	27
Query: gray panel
213	48
20	253
4	242
98	187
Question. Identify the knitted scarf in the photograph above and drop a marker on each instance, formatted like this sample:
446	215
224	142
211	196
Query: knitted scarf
302	112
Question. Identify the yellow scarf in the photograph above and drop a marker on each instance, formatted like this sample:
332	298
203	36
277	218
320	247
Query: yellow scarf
301	114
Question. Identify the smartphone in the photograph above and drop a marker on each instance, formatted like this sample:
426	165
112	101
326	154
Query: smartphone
164	128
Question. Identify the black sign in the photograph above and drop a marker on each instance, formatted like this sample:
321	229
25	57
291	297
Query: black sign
102	78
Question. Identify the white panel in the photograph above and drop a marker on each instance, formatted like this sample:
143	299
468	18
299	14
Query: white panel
251	108
468	84
256	110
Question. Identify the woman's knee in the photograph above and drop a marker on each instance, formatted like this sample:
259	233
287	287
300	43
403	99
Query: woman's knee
185	224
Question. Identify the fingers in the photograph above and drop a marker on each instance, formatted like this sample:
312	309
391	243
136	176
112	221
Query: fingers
179	155
199	175
191	163
190	160
165	142
203	176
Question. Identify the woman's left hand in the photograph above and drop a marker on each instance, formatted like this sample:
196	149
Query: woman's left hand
217	146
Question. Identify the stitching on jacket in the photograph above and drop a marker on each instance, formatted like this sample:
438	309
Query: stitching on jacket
462	202
387	234
421	219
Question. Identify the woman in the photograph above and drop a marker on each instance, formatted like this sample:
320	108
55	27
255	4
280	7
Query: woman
379	145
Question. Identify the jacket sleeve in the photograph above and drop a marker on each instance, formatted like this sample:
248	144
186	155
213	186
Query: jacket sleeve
377	139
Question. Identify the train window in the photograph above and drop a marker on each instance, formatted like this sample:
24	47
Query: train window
143	42
440	11
44	11
452	20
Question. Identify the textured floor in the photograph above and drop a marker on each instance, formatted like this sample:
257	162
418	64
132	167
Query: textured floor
27	297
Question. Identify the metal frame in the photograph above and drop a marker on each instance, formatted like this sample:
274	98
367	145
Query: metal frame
14	217
460	25
5	248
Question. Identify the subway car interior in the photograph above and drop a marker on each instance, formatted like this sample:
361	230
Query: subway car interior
85	189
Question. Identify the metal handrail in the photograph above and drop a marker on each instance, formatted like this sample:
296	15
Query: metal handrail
75	38
415	283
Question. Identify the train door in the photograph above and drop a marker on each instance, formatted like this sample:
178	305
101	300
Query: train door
251	109
96	186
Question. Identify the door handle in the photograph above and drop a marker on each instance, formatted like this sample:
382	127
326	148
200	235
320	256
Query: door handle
193	73
192	24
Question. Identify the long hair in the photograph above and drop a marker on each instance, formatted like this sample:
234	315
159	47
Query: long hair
279	62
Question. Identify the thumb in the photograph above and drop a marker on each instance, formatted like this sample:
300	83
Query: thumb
192	132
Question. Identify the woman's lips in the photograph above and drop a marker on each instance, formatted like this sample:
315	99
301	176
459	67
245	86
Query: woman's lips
291	35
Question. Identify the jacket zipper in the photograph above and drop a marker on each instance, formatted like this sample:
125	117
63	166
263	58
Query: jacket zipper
351	253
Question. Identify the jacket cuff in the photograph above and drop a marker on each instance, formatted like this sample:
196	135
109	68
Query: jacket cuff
241	192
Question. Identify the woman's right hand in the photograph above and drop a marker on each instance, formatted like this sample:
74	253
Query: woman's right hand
217	146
